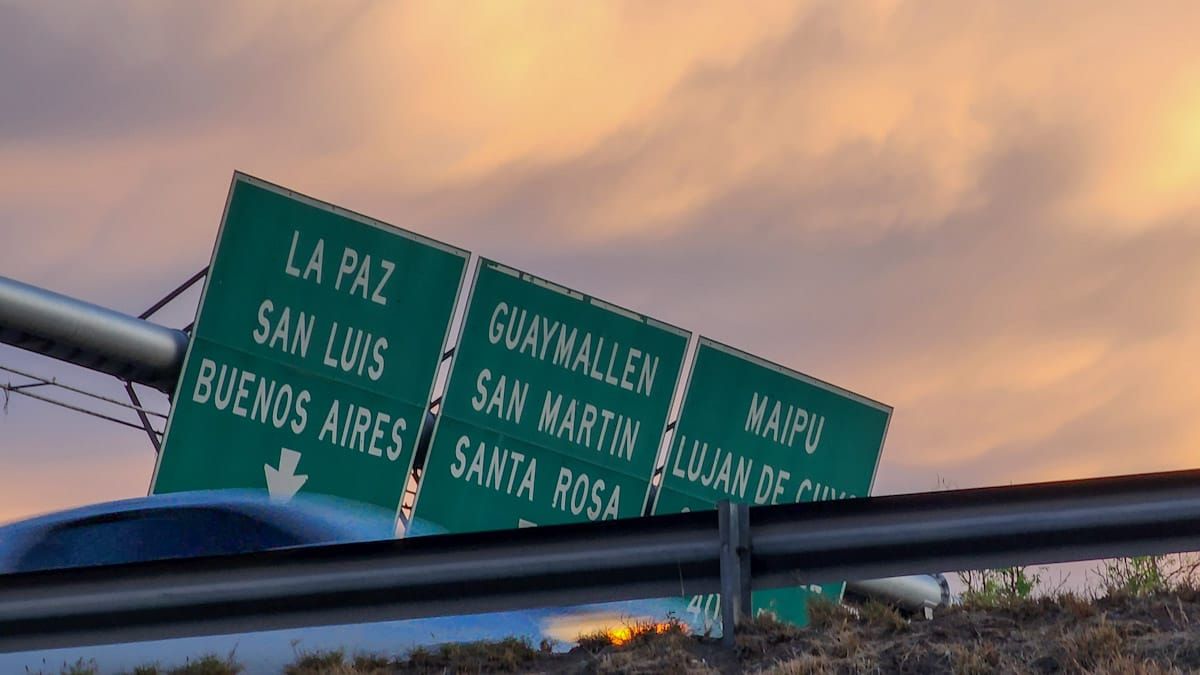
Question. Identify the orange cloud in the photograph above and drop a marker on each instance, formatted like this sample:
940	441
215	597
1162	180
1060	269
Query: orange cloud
981	213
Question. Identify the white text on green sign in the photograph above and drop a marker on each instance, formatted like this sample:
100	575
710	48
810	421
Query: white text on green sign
554	411
314	352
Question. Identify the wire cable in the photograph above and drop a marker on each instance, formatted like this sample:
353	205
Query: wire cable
55	383
16	389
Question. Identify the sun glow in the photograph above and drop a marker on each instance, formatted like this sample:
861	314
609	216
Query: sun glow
624	634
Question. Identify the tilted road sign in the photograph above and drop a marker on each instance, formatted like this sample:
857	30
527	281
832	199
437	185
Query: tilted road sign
314	352
554	410
754	432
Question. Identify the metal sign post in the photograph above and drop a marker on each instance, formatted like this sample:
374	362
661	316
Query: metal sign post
734	524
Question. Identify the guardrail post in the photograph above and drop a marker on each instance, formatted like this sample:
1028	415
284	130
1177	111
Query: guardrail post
734	524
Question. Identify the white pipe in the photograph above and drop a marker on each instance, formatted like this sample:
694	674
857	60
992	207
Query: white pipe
914	592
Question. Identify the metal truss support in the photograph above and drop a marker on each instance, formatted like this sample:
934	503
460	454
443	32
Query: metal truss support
174	294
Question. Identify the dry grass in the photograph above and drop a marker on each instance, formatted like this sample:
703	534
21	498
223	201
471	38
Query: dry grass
1067	633
804	664
1092	644
210	664
1126	666
1076	605
978	659
504	656
631	633
823	613
660	655
643	647
595	642
764	633
335	663
882	617
838	640
508	655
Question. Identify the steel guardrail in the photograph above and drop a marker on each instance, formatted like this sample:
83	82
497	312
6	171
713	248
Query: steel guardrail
595	562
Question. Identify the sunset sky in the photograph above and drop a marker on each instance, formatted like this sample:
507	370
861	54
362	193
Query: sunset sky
986	215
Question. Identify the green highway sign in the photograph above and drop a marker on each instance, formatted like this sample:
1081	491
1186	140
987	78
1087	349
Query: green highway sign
754	432
554	410
314	352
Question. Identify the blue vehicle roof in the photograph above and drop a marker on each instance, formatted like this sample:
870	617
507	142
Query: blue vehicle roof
311	519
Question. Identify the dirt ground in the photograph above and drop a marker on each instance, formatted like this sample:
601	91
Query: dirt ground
1065	634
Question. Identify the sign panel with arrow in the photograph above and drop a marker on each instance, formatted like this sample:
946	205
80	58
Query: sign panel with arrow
314	353
283	482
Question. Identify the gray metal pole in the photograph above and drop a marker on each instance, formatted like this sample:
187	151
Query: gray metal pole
91	336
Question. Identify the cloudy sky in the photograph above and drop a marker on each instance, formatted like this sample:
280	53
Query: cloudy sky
984	214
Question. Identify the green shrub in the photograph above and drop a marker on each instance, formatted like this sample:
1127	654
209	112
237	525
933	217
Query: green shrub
988	588
1137	576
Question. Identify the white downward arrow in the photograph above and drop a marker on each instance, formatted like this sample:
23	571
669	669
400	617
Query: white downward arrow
283	483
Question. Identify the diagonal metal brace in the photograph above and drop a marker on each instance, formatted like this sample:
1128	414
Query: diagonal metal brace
174	294
154	441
